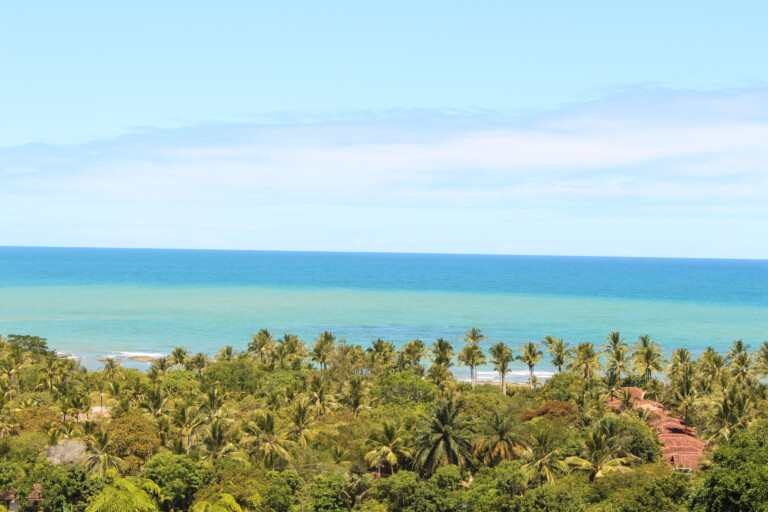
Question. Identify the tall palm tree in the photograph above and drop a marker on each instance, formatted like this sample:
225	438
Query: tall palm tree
188	420
380	355
301	422
443	438
218	443
442	352
473	336
412	354
473	356
501	356
761	357
585	361
179	357
530	355
101	457
499	440
323	349
558	351
269	439
647	357
262	344
388	446
355	396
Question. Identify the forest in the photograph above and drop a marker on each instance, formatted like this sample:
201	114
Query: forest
288	425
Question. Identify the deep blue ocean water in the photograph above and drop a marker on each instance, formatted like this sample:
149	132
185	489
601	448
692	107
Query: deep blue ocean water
117	302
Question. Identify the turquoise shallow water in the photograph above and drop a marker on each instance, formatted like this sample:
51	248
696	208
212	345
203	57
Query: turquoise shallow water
109	302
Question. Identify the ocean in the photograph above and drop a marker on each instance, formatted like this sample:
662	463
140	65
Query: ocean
98	303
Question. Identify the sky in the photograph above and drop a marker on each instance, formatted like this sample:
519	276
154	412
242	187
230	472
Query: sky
573	128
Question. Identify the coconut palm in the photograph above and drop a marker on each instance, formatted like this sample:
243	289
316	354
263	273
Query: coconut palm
501	356
188	420
442	352
301	422
387	446
499	441
544	460
225	503
530	355
323	349
218	443
380	356
473	356
179	357
261	346
558	351
269	440
647	357
198	362
101	458
585	361
443	438
125	495
355	395
412	354
600	456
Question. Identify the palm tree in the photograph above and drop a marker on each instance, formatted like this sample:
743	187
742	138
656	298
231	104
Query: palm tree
380	356
301	422
387	445
499	440
442	352
647	357
225	503
530	355
125	495
198	362
218	443
473	356
585	361
356	393
761	356
323	349
269	439
501	356
188	420
442	438
226	354
544	460
412	354
473	336
101	458
731	413
179	356
558	351
600	456
262	344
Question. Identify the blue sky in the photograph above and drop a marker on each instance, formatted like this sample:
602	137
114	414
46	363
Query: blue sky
491	127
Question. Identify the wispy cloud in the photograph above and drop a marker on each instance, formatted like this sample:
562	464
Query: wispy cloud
643	154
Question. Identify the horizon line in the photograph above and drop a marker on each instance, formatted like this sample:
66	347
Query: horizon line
309	251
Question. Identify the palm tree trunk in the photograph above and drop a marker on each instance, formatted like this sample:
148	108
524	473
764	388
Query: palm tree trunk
503	383
530	379
473	374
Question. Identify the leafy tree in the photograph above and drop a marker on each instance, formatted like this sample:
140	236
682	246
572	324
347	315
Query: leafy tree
178	477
